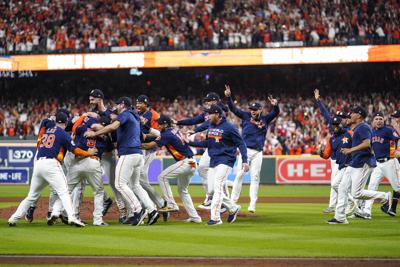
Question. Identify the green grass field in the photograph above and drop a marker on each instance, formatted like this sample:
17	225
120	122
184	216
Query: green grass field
277	230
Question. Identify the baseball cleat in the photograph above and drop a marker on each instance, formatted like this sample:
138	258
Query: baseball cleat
193	220
11	224
48	217
329	210
232	216
362	215
100	224
139	217
129	220
169	209
29	214
251	209
107	205
52	220
165	216
212	222
153	217
122	219
334	221
77	223
64	219
389	200
392	213
206	205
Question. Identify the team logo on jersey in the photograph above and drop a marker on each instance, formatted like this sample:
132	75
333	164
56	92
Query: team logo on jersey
377	139
345	140
215	134
259	124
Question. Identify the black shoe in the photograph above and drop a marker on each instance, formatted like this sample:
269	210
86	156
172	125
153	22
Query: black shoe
107	205
121	220
139	217
52	220
165	216
153	217
129	220
29	214
64	219
12	224
48	215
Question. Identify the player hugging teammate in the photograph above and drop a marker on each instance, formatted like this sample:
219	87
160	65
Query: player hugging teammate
362	152
121	143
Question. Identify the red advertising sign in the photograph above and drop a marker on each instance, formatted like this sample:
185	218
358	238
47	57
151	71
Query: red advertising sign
303	171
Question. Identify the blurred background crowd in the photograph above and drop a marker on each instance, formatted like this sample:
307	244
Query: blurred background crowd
66	26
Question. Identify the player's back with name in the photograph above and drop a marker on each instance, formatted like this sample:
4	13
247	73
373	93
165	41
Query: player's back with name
54	143
172	140
381	141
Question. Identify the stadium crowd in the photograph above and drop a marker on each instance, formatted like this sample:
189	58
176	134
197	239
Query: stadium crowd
64	26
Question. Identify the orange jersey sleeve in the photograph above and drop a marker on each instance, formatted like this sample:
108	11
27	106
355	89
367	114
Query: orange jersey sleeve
154	117
80	152
328	149
78	123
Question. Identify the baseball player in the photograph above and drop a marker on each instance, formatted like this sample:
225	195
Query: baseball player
387	166
254	130
334	166
86	169
148	118
130	161
222	142
47	170
211	98
362	159
183	169
396	126
342	138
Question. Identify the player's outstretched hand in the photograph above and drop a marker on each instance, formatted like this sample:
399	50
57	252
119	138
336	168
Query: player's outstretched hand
245	167
92	151
272	100
316	94
227	91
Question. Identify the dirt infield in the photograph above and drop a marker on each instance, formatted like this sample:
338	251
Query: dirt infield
87	207
195	261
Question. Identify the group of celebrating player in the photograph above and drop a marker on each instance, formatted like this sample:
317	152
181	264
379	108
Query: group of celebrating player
122	141
359	152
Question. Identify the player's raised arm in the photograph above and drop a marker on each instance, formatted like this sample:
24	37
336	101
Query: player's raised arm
232	107
275	109
324	111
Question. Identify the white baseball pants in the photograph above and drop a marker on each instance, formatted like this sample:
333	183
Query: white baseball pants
108	166
217	177
127	176
204	165
149	156
343	193
359	177
333	198
255	161
388	169
182	170
46	171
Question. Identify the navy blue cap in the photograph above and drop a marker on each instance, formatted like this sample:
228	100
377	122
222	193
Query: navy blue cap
360	110
63	110
379	114
336	120
97	93
255	106
143	99
61	117
124	100
164	120
396	114
215	109
212	96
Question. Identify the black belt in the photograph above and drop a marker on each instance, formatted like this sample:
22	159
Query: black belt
382	160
